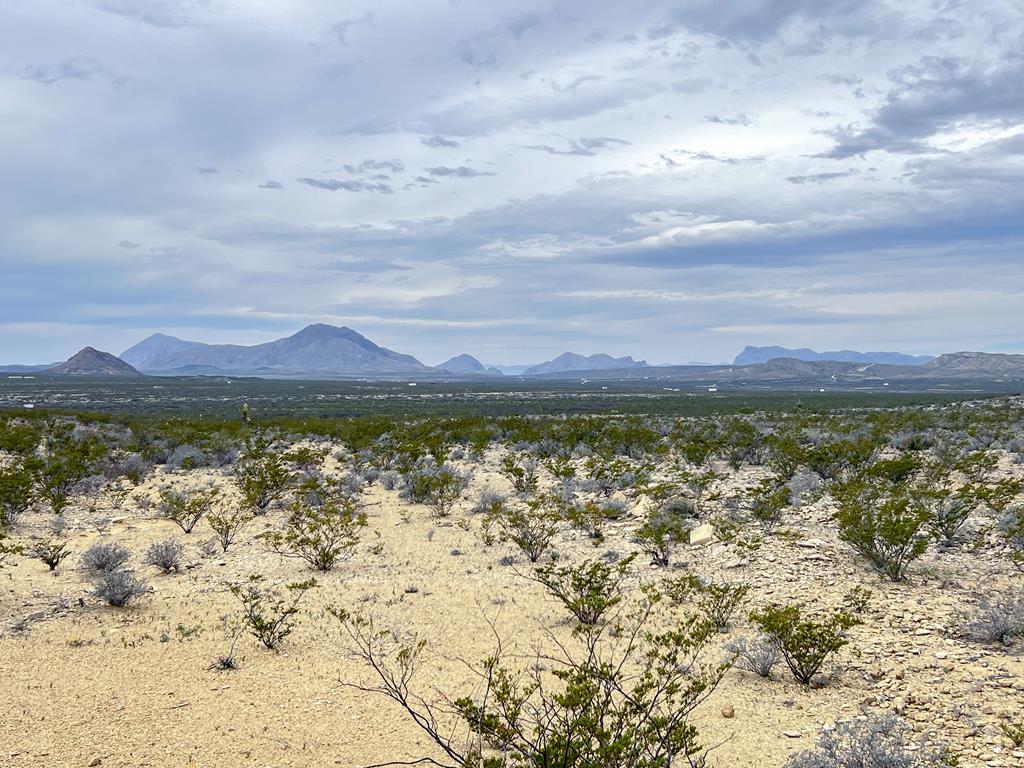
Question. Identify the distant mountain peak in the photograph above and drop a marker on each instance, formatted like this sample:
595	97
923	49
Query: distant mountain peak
90	361
318	350
754	355
463	364
571	361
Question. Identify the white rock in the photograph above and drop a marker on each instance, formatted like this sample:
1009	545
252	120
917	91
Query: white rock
702	534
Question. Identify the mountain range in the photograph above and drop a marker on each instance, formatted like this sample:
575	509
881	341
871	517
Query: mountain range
326	352
752	355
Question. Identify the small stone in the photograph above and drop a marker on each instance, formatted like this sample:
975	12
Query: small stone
702	534
95	761
728	712
791	734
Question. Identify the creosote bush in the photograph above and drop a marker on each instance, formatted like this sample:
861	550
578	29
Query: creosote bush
17	492
437	487
227	525
186	509
717	600
661	532
805	644
885	524
8	550
269	614
532	528
588	591
165	555
618	695
320	533
53	553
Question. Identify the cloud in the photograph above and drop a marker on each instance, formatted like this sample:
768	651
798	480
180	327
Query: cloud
460	172
438	142
271	184
821	178
341	29
348	185
75	68
740	119
586	147
932	95
395	166
168	14
207	171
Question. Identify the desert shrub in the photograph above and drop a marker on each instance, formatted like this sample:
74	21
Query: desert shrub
305	460
600	701
949	510
1012	527
1014	732
857	599
437	487
661	532
997	619
977	466
261	475
165	555
879	742
588	591
615	474
186	509
227	525
389	479
836	459
885	524
8	550
716	600
758	654
521	471
590	517
767	503
119	588
104	557
320	534
531	528
805	644
53	553
186	457
66	462
16	493
488	502
267	613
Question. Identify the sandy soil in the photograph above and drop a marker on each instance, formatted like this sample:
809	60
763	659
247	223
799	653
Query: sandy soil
85	685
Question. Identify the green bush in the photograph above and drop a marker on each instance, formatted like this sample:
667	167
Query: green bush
267	613
186	509
588	591
17	493
320	534
767	503
661	532
884	525
53	553
805	644
531	529
716	600
261	475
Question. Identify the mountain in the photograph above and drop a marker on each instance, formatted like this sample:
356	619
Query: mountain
92	362
317	350
568	361
465	364
753	355
981	363
26	368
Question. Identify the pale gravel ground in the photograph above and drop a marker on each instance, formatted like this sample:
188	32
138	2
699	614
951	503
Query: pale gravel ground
96	682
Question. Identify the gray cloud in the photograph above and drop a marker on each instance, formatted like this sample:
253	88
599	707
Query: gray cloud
74	68
395	166
821	178
347	185
585	147
740	119
461	172
438	142
931	95
341	29
168	14
271	184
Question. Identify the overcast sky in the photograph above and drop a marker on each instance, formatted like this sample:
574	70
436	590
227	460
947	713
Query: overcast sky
671	180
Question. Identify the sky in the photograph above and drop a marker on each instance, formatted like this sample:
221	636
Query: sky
669	180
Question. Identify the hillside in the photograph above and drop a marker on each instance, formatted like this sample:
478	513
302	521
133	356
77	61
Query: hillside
752	355
315	350
569	361
93	362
